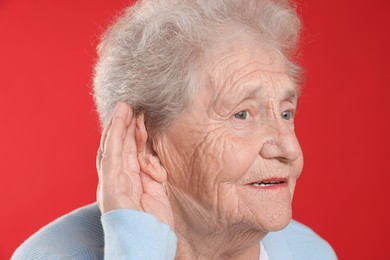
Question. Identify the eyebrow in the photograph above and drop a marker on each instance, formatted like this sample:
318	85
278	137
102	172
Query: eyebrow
291	94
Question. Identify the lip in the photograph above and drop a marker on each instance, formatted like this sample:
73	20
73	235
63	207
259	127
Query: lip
269	184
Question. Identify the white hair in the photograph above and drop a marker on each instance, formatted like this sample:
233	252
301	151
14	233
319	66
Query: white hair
149	57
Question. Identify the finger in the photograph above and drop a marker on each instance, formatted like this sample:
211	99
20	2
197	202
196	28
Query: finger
98	196
103	140
101	147
149	163
141	135
129	150
104	135
98	160
117	130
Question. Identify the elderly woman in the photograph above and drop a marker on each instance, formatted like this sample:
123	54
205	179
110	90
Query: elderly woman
198	157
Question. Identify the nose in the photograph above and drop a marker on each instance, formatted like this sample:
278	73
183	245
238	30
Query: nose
281	144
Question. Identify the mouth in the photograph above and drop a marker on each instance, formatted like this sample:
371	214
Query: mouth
273	183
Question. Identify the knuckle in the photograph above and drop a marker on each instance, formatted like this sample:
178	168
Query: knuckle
100	150
110	159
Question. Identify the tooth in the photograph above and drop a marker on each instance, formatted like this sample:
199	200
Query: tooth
261	184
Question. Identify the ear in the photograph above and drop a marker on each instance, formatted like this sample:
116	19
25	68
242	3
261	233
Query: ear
148	159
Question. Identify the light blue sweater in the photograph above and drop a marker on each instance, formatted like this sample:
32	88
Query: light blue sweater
133	234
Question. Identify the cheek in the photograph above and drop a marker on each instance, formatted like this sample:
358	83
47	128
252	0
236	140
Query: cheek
222	157
298	166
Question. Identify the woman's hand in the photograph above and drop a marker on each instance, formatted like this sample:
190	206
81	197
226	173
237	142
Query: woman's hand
130	174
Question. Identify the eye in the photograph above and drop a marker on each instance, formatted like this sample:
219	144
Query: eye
241	115
286	115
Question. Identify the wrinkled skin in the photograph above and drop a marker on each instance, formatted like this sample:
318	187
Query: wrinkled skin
238	130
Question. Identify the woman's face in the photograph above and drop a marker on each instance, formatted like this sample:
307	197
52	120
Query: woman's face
232	157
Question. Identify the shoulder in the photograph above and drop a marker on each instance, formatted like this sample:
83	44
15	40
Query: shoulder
77	235
297	241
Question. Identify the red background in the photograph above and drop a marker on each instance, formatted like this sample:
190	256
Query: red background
49	131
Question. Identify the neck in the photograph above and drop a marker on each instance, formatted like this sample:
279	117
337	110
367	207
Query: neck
201	237
218	246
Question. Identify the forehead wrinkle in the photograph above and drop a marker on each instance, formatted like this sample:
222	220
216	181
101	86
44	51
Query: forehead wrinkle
242	90
264	85
233	57
218	81
279	85
227	56
231	85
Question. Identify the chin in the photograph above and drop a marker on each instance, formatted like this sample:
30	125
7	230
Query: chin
266	210
275	222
